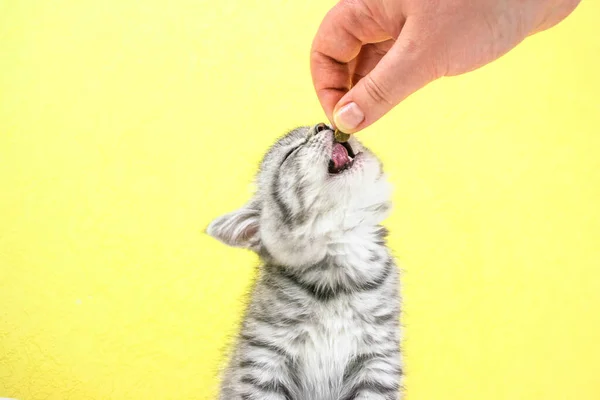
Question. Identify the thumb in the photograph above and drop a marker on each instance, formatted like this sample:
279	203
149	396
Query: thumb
408	66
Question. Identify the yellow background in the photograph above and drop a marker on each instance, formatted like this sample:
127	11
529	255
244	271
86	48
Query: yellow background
125	126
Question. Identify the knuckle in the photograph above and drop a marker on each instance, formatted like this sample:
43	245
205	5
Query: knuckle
377	91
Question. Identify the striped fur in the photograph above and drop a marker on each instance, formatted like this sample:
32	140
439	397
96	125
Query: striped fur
323	319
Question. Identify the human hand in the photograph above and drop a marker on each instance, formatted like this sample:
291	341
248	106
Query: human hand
369	55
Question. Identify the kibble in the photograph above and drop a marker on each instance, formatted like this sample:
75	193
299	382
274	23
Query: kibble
340	136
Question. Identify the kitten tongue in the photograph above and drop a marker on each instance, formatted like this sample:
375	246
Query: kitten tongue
339	156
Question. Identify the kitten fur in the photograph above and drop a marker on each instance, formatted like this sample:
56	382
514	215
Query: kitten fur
323	317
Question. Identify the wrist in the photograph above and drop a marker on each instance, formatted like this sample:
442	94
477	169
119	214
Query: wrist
552	12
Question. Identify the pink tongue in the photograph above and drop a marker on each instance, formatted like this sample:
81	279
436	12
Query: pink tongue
339	155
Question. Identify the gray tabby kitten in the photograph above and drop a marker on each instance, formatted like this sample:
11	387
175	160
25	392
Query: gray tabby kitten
323	319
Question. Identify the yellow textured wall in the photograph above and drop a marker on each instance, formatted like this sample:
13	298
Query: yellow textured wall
125	126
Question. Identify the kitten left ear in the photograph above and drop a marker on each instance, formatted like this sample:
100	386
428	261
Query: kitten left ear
238	228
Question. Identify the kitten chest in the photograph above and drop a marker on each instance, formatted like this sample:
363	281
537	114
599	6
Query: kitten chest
331	339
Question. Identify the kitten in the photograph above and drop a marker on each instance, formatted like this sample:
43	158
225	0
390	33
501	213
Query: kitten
323	319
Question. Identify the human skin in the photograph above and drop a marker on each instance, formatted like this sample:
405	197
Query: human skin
369	55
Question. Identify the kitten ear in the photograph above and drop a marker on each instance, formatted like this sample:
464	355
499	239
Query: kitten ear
238	228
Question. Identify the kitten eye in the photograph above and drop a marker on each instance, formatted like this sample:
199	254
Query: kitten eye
289	153
321	127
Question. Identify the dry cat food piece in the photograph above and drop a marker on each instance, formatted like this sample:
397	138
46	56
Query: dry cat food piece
340	136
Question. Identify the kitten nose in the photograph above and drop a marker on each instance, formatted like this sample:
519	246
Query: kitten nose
321	127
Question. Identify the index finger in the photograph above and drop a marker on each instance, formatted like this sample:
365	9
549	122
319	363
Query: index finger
336	45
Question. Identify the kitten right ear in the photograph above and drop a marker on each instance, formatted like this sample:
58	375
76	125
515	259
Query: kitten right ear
239	228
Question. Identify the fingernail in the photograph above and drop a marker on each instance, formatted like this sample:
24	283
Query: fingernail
348	117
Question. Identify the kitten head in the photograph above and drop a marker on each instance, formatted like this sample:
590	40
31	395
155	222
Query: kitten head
312	192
